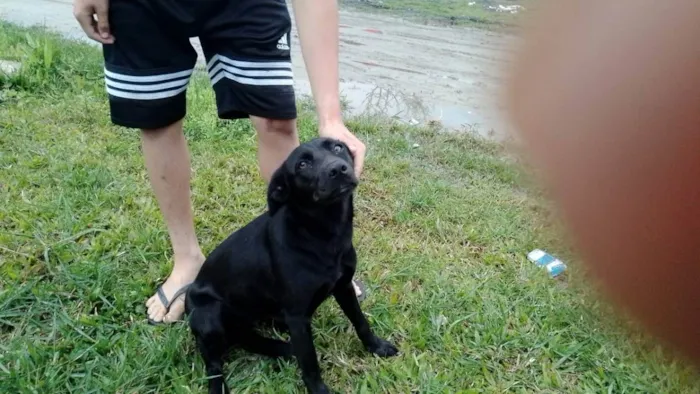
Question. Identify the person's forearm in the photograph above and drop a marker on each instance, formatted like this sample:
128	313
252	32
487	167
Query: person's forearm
317	23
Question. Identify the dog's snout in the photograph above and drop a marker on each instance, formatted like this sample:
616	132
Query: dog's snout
337	169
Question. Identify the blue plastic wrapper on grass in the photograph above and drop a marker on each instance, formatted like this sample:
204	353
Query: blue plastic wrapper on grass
553	265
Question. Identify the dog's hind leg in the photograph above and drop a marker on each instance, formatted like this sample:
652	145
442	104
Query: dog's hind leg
256	343
207	326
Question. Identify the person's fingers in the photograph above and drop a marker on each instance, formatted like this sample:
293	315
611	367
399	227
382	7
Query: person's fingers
84	16
359	156
103	22
355	146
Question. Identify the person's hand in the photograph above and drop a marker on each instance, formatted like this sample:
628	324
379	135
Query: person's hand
85	12
339	132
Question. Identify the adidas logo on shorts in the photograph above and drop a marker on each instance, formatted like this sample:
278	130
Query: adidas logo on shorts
283	43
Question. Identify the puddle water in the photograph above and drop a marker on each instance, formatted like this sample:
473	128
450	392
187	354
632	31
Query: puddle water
458	118
366	99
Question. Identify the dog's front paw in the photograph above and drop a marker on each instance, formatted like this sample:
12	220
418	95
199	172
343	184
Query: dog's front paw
320	388
382	348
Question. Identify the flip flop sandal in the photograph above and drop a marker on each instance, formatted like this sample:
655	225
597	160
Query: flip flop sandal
363	290
167	304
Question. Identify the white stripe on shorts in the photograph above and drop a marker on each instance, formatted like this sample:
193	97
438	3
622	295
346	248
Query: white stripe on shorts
145	96
148	78
263	73
146	87
247	64
249	73
251	81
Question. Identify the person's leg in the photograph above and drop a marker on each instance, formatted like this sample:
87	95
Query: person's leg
276	140
168	164
147	72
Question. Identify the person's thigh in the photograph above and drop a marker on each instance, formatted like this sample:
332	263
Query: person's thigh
148	67
247	47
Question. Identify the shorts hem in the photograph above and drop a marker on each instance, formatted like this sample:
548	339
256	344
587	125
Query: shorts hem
147	125
242	114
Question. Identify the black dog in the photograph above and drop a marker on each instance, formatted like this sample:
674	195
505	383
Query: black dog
280	267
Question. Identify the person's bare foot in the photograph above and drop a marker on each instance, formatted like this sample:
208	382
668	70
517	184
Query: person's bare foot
184	272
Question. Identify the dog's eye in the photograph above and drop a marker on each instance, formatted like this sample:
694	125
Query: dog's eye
302	164
337	149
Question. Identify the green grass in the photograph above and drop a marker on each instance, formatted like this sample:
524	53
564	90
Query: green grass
442	233
449	12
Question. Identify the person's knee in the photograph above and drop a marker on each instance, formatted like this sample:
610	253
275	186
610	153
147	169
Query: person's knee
173	129
276	127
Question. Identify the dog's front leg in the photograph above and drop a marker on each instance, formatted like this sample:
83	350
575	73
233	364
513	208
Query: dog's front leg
305	353
345	296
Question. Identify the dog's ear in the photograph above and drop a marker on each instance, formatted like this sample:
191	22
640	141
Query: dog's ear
278	191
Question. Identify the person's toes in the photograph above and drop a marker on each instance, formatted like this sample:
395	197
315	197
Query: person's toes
152	304
152	308
156	311
177	309
358	291
157	316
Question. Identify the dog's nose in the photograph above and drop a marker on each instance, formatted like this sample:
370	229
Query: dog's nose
338	168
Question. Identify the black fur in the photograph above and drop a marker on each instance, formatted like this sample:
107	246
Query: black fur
280	267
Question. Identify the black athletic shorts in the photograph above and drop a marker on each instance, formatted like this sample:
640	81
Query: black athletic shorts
245	42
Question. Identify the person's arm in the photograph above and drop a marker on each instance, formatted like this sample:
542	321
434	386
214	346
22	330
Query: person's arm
317	23
606	95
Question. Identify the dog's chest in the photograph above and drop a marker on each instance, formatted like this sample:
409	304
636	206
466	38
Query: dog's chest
339	268
325	290
332	275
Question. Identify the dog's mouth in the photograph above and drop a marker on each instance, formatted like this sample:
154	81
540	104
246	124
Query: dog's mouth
346	188
325	195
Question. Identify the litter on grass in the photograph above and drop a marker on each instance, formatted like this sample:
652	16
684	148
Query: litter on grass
553	265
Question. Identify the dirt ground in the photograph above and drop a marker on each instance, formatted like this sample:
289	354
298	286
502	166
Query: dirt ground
414	72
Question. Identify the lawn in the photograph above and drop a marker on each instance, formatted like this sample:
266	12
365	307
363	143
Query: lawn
474	13
443	225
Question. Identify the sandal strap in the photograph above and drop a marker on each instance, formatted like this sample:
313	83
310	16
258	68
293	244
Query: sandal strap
162	297
164	300
177	294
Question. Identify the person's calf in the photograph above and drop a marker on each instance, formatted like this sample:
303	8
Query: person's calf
276	140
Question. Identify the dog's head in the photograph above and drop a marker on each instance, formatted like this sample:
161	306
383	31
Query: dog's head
319	172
